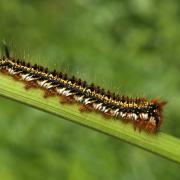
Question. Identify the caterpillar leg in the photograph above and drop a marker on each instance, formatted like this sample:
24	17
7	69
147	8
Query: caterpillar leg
66	100
49	93
85	108
30	85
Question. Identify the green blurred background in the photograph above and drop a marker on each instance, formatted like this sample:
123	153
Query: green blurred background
129	46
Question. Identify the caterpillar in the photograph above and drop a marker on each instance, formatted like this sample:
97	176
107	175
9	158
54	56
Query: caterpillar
143	114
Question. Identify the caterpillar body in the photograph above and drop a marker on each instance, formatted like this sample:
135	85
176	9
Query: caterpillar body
143	114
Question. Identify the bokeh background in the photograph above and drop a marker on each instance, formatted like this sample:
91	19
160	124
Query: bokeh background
129	46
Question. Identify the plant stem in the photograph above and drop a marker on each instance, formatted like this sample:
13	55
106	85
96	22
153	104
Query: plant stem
161	144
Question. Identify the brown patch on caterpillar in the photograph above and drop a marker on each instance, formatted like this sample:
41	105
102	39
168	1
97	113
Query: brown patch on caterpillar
29	85
16	77
4	71
107	115
49	93
143	114
66	100
85	108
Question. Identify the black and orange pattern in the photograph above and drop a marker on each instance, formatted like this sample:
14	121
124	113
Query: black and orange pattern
143	114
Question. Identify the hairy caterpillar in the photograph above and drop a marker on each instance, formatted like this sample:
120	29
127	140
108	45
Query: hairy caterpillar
143	114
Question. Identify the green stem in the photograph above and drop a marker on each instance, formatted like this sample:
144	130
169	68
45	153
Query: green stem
161	144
